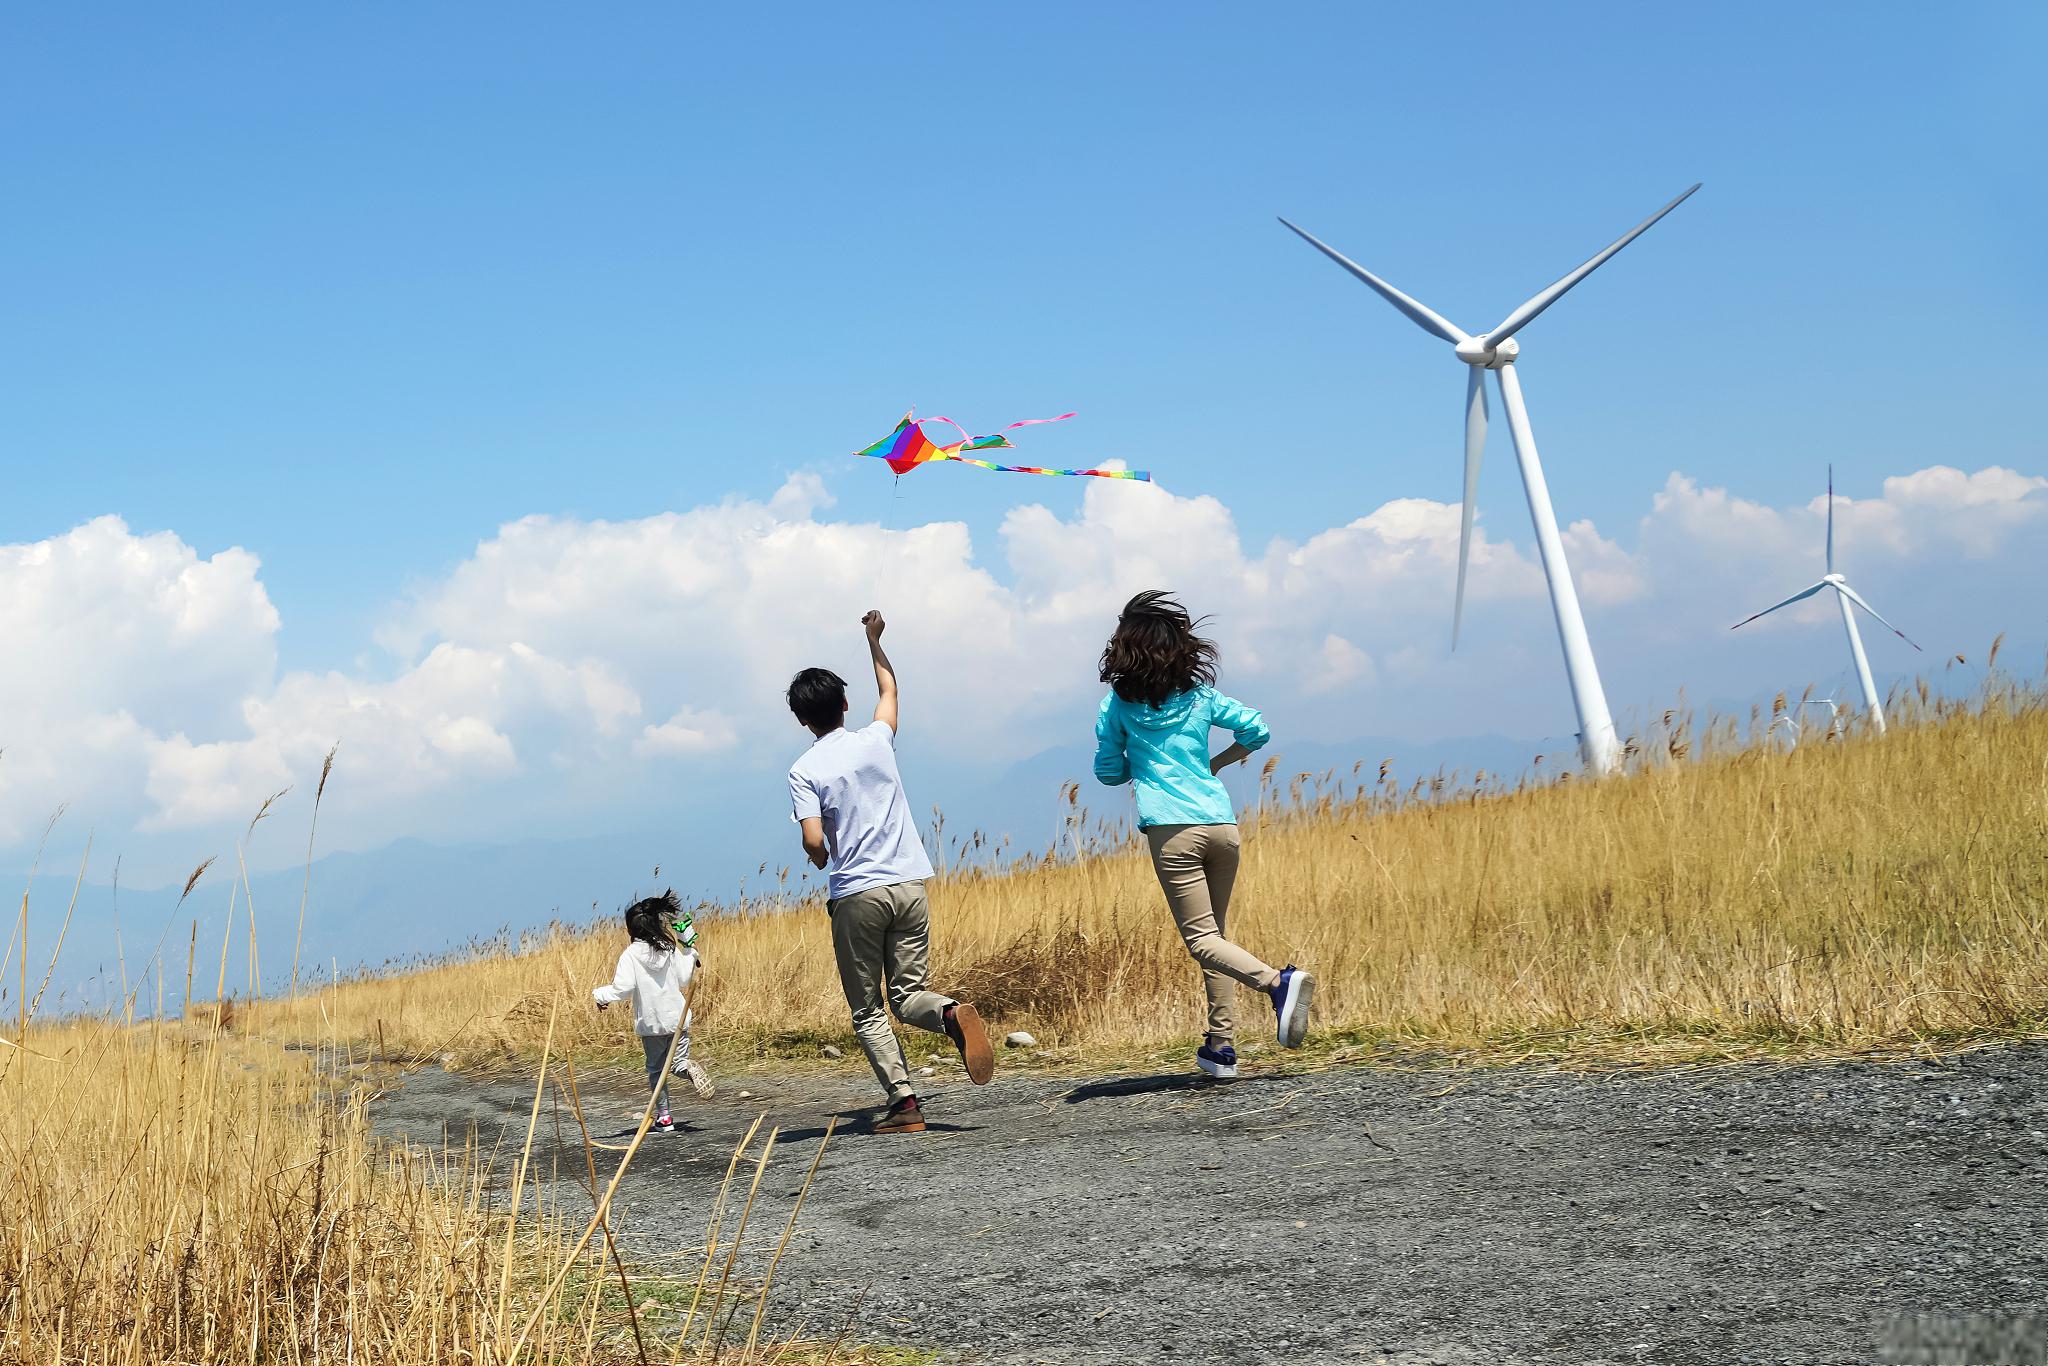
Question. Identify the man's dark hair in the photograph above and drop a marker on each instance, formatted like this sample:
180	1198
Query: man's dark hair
818	697
1155	652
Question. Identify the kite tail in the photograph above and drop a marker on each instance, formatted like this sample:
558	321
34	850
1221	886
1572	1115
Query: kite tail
970	437
1142	476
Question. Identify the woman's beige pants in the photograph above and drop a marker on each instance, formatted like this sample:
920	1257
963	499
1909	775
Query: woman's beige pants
1197	866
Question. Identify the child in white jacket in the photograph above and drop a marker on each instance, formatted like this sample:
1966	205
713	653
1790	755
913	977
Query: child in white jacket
654	972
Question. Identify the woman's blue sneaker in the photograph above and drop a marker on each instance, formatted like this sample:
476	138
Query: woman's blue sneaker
1217	1062
1290	1004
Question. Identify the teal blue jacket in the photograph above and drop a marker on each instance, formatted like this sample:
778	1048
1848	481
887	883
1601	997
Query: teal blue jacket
1163	752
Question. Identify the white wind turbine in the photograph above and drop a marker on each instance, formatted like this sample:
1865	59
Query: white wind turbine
1496	351
1844	595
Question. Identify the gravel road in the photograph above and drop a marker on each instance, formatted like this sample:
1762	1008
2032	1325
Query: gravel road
1844	1212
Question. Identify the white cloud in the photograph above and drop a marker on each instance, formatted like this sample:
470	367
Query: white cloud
1969	514
565	660
1926	546
688	732
1338	664
113	638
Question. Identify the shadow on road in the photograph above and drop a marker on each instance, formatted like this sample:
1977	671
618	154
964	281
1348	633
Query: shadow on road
626	1135
863	1127
1164	1084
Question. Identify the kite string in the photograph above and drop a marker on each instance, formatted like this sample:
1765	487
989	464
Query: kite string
890	536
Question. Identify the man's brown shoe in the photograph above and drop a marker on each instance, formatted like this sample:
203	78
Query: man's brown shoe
904	1117
964	1028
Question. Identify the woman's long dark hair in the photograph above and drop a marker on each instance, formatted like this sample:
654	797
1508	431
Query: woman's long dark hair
648	920
1154	651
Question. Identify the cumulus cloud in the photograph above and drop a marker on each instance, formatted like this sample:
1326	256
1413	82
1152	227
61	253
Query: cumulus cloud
114	638
688	732
1926	544
1338	664
565	659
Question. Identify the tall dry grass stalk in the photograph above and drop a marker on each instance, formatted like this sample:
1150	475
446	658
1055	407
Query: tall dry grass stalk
187	1190
182	1195
1730	894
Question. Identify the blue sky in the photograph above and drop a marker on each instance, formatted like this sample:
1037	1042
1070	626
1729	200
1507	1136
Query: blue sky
350	289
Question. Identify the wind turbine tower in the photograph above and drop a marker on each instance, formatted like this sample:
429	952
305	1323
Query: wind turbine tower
1844	596
1497	351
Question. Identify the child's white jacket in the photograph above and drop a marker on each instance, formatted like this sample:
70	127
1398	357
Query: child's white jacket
656	980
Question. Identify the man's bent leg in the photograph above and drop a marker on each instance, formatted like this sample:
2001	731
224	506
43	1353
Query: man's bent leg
909	957
907	952
860	925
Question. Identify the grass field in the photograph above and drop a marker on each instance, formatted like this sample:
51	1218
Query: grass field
190	1192
1728	897
195	1190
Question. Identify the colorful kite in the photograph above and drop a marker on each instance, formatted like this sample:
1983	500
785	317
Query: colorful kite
908	447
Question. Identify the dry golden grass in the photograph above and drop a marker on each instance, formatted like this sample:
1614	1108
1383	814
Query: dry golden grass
188	1190
1725	898
181	1191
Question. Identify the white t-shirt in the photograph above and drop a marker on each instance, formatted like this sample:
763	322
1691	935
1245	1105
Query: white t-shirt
848	779
655	979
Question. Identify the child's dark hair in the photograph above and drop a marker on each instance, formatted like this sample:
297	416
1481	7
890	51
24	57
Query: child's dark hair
1154	651
648	920
818	697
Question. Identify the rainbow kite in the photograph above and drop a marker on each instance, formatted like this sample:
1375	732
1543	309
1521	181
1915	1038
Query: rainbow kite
908	447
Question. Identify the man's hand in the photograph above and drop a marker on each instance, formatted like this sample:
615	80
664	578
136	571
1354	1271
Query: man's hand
604	1005
873	621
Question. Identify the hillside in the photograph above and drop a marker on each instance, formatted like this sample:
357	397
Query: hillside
1724	898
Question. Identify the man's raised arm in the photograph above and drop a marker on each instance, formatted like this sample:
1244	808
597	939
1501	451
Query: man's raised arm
885	673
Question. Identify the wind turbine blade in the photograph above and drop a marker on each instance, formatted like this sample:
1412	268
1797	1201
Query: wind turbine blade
1515	321
1831	519
1796	597
1475	448
1425	317
1857	598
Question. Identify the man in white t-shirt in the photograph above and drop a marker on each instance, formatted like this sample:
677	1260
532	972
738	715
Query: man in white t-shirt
847	795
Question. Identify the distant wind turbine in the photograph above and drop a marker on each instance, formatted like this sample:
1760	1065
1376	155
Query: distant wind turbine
1496	351
1844	595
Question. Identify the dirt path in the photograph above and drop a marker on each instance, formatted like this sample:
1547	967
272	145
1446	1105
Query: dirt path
1735	1214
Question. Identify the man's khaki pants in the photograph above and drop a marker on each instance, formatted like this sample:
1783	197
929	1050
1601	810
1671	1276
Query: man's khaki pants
1197	866
884	934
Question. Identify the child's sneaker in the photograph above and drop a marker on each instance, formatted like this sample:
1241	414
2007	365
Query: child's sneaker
1217	1062
904	1117
699	1078
1290	1004
664	1124
964	1028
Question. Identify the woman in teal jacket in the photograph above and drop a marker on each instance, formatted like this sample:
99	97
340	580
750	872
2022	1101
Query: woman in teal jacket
1153	732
